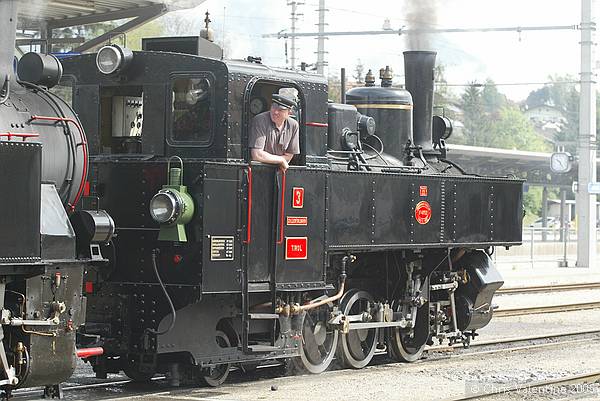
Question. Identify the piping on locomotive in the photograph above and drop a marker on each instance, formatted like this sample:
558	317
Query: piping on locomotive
43	169
371	241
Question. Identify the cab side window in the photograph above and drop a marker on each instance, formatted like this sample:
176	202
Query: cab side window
192	110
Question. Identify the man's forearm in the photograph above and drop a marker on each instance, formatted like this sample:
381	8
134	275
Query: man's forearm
262	156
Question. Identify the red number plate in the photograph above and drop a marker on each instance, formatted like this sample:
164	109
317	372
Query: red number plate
298	199
296	248
423	190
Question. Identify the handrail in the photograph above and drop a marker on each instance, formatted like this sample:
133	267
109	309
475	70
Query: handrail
315	124
23	135
84	150
249	222
282	209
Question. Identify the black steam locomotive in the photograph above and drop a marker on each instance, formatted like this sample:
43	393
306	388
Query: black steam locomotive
371	241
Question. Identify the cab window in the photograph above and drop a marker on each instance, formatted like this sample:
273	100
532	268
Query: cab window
191	111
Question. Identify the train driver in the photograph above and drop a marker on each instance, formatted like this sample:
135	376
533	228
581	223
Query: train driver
273	135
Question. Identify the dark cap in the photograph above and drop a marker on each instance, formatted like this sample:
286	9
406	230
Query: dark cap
284	101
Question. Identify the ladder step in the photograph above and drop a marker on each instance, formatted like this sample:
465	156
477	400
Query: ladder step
259	287
263	316
263	348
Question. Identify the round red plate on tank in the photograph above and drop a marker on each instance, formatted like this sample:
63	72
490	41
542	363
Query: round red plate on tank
423	212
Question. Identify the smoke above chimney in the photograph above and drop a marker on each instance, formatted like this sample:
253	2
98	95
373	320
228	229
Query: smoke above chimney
421	15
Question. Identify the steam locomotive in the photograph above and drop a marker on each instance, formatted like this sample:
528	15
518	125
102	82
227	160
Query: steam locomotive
44	161
194	258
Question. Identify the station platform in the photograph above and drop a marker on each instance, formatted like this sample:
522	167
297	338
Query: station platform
525	274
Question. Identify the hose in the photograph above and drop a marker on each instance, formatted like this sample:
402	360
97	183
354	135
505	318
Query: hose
155	253
5	89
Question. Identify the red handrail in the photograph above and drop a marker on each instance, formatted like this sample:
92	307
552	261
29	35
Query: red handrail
87	352
282	209
249	223
314	124
84	146
19	135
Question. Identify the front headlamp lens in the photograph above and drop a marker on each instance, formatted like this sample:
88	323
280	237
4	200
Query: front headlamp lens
163	207
108	59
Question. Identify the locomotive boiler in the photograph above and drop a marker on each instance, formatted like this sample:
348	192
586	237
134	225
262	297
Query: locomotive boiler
372	241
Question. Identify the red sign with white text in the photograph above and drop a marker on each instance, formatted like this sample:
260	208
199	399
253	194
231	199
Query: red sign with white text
298	198
296	248
297	221
423	190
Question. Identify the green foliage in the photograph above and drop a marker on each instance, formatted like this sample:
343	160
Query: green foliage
562	94
532	203
335	88
150	30
491	120
512	130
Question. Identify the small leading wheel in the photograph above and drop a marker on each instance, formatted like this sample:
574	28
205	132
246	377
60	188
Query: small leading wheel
218	374
356	349
319	342
403	347
135	373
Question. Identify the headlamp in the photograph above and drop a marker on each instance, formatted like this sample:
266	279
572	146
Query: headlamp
113	58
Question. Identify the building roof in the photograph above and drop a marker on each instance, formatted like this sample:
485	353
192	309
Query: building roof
63	13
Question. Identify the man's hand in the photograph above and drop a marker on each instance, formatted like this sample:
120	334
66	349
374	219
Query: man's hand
283	164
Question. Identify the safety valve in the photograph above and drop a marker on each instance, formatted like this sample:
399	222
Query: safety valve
172	207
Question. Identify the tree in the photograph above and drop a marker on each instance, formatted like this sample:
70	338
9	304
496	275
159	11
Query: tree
359	70
512	130
474	123
335	88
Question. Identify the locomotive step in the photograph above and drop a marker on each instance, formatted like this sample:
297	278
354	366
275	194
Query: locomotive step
263	316
263	348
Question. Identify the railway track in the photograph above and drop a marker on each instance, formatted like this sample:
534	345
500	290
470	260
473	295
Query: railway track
497	389
548	288
556	339
535	310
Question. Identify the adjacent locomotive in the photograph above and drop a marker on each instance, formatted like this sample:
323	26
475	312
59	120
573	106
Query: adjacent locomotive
43	158
371	241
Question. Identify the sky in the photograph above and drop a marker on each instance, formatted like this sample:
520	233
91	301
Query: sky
506	58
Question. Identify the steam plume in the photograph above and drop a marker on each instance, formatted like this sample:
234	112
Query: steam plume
421	15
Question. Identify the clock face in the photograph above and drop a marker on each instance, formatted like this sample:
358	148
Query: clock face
257	105
560	162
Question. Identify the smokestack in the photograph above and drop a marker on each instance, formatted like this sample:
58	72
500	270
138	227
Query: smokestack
8	29
419	76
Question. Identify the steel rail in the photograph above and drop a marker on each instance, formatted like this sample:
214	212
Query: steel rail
548	288
514	340
32	391
535	310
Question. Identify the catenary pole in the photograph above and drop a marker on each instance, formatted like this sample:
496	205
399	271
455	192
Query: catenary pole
586	202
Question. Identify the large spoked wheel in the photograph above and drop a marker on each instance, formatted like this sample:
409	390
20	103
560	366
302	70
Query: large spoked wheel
319	342
356	349
219	373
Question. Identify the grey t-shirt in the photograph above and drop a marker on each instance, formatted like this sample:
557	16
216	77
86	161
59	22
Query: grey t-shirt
264	135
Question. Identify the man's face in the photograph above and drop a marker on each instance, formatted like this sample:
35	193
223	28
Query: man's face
278	114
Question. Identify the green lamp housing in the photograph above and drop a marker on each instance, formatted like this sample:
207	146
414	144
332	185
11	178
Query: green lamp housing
172	207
